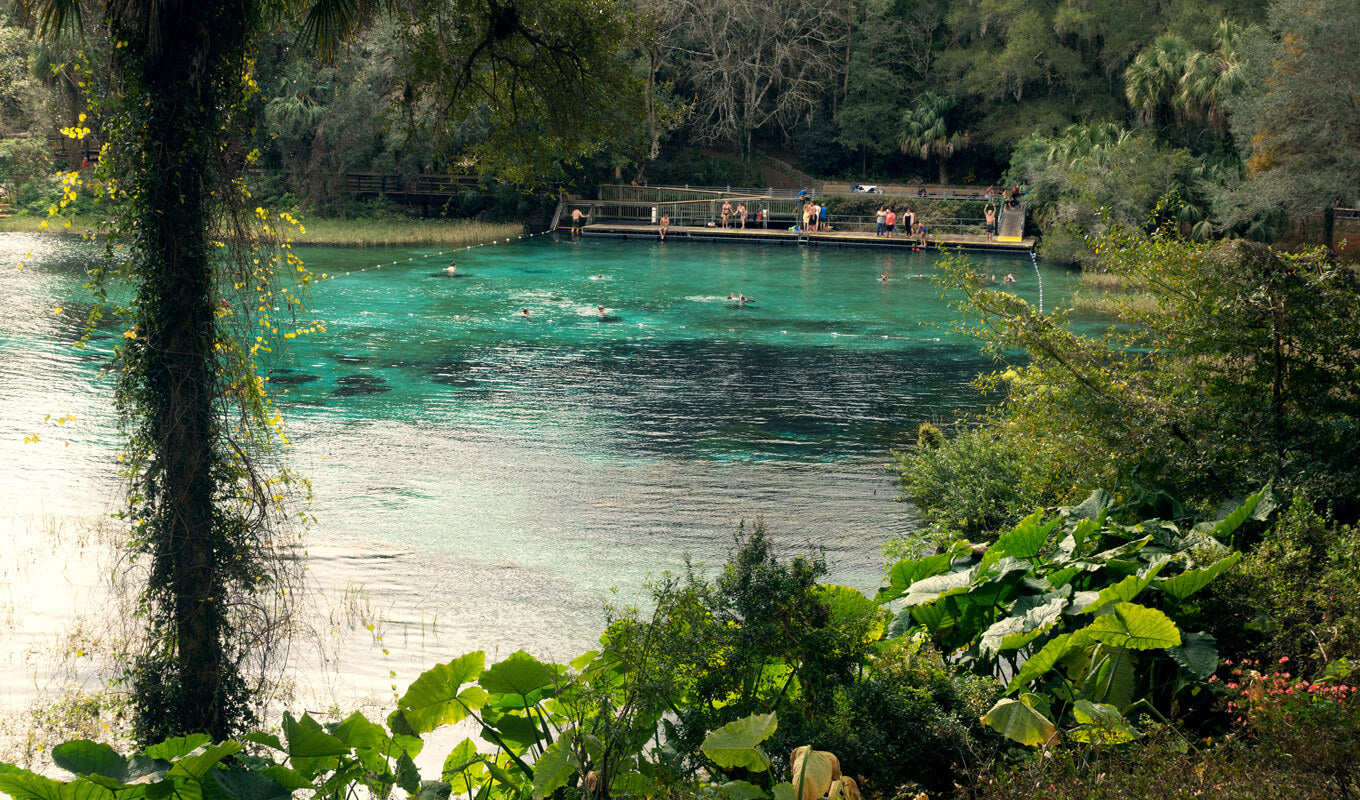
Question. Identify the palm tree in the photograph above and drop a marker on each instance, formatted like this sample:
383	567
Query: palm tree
925	131
1154	77
1211	78
1086	142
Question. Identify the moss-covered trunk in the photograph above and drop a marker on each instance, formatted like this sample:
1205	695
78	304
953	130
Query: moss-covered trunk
178	80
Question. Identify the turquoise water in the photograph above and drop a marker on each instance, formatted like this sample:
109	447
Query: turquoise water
501	473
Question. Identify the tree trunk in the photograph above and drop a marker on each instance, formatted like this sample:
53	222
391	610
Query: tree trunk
174	72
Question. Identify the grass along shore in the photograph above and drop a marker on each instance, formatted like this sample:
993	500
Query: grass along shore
356	232
1103	293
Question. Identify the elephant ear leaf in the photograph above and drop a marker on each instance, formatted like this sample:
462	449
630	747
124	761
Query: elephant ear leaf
1134	627
905	573
1197	655
83	757
21	784
1192	580
1038	665
523	677
1234	520
435	698
1024	540
1019	721
736	744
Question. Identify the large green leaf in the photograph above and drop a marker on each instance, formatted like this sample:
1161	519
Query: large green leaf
360	733
1041	662
553	768
930	589
736	744
1030	622
24	785
408	777
1239	515
1122	552
173	748
1019	721
307	739
434	790
1110	677
511	729
1092	509
1135	627
244	784
849	604
434	698
520	675
83	757
463	760
1192	580
1197	654
905	573
1026	539
290	779
197	764
934	616
1127	589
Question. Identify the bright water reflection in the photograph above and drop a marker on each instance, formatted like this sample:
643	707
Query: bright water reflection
499	473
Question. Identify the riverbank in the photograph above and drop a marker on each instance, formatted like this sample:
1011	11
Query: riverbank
360	232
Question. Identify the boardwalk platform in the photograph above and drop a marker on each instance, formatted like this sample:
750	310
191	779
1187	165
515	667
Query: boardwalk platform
779	236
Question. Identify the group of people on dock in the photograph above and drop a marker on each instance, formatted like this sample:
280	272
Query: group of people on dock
727	215
814	217
887	219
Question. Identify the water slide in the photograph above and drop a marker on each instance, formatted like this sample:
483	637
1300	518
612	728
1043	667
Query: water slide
1011	225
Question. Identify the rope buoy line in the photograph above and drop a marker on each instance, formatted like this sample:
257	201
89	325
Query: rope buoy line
1035	261
440	253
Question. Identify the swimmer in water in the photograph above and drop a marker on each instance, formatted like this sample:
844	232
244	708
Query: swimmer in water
451	269
601	309
1008	279
524	312
883	277
597	277
744	300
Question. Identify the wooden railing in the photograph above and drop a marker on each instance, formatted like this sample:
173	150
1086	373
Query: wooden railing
423	184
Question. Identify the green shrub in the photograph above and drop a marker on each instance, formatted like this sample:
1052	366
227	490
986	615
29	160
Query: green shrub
1158	767
1296	594
975	482
911	724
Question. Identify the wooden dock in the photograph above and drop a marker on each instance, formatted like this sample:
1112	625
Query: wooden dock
950	241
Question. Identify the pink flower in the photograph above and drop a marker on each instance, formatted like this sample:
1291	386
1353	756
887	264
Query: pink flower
1284	659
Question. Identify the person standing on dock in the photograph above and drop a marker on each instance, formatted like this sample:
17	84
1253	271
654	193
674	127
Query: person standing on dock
726	212
908	221
889	222
989	211
576	220
822	223
921	234
665	223
741	214
880	226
